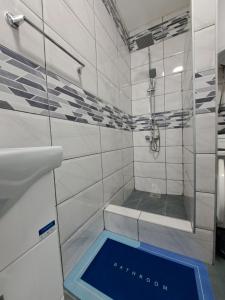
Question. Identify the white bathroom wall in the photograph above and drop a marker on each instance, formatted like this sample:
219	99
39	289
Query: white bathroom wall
98	166
49	106
188	129
205	69
163	172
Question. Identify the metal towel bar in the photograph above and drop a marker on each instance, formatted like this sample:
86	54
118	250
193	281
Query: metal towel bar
16	20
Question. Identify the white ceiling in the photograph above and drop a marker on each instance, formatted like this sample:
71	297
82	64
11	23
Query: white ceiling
136	13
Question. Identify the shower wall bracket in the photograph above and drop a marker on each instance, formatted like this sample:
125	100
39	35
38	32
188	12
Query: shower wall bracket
22	167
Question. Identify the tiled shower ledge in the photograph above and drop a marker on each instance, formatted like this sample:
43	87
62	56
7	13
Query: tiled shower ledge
138	215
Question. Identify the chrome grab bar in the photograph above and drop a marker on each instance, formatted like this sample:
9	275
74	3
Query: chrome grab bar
16	20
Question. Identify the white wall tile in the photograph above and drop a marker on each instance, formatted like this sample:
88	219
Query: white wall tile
174	64
73	213
128	189
107	90
159	104
91	2
175	13
144	154
84	42
123	49
205	133
174	171
34	5
76	139
106	66
174	154
83	10
152	170
174	137
63	65
139	91
127	138
220	24
156	52
118	199
151	185
141	73
205	173
175	45
139	138
173	101
123	68
173	83
75	247
205	205
19	129
104	40
187	97
187	82
140	57
221	142
105	19
77	174
112	184
204	13
128	173
188	133
26	41
111	139
174	187
111	162
205	56
127	156
159	87
140	107
126	103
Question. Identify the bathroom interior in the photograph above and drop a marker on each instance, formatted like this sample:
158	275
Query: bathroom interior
112	144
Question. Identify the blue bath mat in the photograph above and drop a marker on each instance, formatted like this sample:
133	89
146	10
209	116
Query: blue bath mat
118	268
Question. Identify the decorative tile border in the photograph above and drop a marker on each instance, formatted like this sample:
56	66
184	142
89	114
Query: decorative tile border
221	119
164	30
169	120
221	123
205	91
23	88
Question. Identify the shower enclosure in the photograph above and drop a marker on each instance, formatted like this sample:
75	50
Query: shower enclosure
162	107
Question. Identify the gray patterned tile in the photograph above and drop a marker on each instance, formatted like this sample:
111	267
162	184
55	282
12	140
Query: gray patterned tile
165	30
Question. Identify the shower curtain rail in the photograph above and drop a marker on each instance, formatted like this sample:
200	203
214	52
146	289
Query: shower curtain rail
16	20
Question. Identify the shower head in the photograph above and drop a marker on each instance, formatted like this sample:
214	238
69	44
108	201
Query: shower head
152	73
145	41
